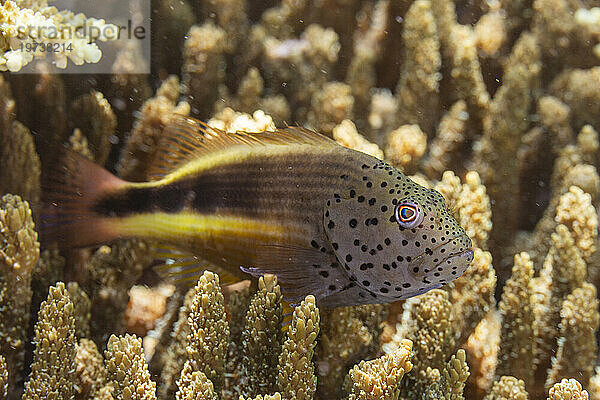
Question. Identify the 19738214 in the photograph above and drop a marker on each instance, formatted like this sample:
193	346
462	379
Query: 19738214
32	47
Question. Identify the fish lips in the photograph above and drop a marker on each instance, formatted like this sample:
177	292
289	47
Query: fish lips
464	257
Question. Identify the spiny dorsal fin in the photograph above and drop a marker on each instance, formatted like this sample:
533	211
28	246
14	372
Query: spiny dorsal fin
186	139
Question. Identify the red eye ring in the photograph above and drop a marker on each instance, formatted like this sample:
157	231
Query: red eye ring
408	215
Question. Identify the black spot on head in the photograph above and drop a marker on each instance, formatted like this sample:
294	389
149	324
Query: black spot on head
360	199
383	290
314	244
332	287
335	246
331	225
352	193
364	247
400	258
384	208
324	274
356	242
353	222
383	184
374	221
387	241
408	258
369	184
379	247
404	242
416	269
372	252
366	283
386	267
363	267
406	285
348	257
372	201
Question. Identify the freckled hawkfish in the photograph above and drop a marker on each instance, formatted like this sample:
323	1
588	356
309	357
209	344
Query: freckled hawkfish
326	220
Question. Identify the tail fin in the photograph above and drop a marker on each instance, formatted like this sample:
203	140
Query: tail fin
70	190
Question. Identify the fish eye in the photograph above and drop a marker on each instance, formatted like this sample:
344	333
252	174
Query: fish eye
408	215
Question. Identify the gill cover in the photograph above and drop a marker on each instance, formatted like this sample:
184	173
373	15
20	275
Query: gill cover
364	241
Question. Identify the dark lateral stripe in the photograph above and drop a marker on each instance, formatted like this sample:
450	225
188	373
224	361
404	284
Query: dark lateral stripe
169	198
264	187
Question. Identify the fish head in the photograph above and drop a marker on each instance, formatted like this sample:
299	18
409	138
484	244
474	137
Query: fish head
396	239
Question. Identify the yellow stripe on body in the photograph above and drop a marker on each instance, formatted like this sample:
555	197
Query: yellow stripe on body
165	226
197	232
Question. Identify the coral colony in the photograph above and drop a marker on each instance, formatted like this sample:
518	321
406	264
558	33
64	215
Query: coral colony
494	104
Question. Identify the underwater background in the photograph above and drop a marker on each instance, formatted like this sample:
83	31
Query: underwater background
496	104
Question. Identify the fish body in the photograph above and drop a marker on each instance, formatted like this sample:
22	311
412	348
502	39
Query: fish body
326	220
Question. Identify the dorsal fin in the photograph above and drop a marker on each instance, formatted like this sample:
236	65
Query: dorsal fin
186	138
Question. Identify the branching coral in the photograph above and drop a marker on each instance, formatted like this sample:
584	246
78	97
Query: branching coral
127	369
18	157
262	338
508	388
444	150
418	87
19	252
330	106
209	331
564	270
94	116
472	295
194	385
203	66
81	309
577	346
516	352
155	114
567	389
505	123
471	204
176	350
380	378
345	340
296	378
405	146
3	378
111	272
347	135
53	368
90	374
576	212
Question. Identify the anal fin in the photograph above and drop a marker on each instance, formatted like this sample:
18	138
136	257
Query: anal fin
183	268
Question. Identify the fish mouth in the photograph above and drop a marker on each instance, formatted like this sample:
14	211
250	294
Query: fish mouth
467	254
